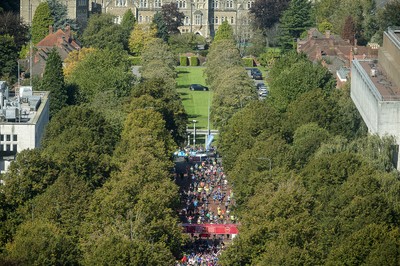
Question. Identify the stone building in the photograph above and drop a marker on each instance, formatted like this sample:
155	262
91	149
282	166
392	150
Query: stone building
201	16
76	9
375	89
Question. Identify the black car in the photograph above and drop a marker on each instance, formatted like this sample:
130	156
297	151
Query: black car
255	73
260	85
198	87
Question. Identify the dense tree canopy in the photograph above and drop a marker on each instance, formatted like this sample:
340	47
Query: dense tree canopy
140	37
53	81
172	17
101	32
41	21
266	13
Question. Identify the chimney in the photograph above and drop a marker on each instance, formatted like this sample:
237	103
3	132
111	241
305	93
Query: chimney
50	29
68	32
327	34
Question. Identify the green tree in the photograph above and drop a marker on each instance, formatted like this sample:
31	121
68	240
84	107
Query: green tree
9	56
39	242
102	71
140	37
53	81
297	77
222	55
267	12
388	16
127	24
11	24
60	15
162	30
41	21
224	32
185	42
101	32
294	20
82	141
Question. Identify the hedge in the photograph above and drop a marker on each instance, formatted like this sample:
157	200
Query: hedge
194	61
248	62
183	61
136	60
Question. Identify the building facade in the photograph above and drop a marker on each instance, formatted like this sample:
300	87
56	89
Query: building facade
76	9
23	117
375	89
201	16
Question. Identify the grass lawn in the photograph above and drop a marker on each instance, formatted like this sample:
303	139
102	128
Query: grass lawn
195	102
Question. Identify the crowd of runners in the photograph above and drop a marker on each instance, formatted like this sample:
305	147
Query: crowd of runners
206	198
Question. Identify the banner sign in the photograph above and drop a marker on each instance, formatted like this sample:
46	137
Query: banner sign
216	229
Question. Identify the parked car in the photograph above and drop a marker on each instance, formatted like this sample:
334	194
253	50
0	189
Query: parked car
198	87
260	85
263	92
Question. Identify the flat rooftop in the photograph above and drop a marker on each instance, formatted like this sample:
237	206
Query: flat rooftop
28	114
387	89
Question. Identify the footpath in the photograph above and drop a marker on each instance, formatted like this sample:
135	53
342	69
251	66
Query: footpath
206	202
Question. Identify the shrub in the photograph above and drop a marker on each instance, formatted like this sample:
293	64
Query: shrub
248	62
183	61
194	61
136	60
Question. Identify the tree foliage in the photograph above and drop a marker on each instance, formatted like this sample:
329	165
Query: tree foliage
172	17
11	24
224	32
53	81
101	32
59	13
295	20
41	21
266	13
102	71
9	56
141	36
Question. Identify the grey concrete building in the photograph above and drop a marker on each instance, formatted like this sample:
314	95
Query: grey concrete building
23	117
375	88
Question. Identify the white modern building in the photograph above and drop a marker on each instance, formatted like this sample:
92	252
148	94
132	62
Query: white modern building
375	88
23	117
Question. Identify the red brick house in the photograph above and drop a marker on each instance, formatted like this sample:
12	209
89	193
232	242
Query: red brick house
62	40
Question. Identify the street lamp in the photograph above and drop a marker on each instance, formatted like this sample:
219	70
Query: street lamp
194	133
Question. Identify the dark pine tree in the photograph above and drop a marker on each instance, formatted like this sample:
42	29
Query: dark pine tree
53	81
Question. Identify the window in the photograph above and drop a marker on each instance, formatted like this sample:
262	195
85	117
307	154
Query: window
8	137
250	4
186	20
120	3
1	137
8	147
229	4
15	148
143	3
182	4
157	3
232	20
1	147
15	138
140	19
216	20
197	20
215	4
222	20
147	19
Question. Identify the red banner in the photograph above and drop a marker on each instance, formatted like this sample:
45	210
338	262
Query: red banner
216	229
